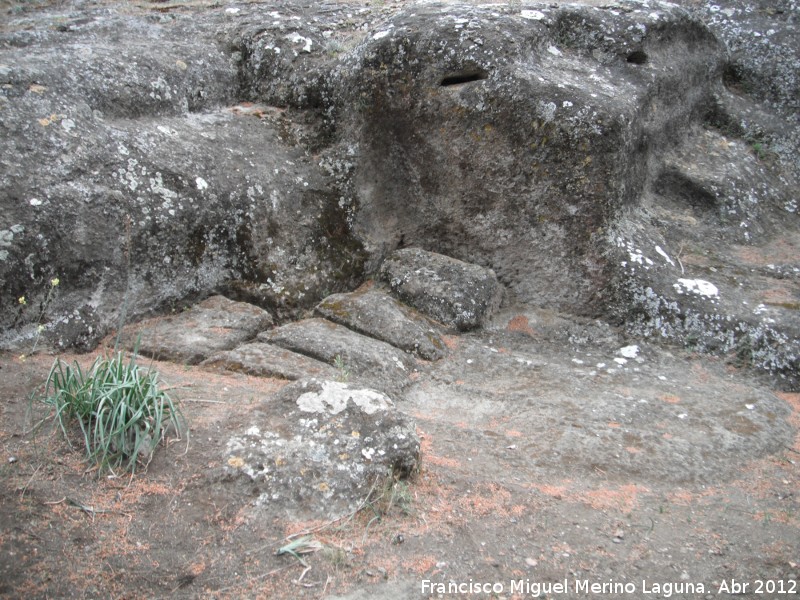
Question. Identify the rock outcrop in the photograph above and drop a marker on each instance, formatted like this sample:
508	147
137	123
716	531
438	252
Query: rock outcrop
131	171
633	161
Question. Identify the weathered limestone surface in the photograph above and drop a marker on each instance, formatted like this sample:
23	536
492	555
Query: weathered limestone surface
378	315
191	336
458	294
363	358
320	447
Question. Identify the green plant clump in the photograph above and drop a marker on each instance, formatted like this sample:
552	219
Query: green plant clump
119	407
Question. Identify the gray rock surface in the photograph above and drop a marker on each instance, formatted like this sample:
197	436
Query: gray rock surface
149	157
376	314
632	410
266	360
761	36
455	293
215	324
130	170
354	355
320	447
710	258
513	137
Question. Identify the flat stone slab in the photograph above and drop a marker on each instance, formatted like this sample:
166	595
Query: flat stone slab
458	294
214	325
267	360
380	316
354	355
319	447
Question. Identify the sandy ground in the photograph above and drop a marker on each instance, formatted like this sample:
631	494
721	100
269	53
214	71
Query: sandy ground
666	475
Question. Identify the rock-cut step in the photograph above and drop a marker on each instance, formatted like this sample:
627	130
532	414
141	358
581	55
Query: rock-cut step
367	335
460	295
189	337
267	360
374	313
364	358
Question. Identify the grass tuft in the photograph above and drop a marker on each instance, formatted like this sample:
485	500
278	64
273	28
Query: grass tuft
121	412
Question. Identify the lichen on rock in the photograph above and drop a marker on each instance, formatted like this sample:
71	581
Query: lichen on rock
320	447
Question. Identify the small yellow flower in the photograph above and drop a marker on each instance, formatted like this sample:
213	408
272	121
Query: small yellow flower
22	357
40	329
22	300
54	282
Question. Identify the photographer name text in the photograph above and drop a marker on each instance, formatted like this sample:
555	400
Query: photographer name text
538	589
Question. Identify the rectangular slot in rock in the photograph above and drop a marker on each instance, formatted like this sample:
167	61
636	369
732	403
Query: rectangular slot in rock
464	77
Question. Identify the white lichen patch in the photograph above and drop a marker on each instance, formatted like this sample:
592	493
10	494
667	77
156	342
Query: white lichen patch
157	187
635	254
334	398
546	110
533	15
631	351
297	39
7	238
664	255
700	287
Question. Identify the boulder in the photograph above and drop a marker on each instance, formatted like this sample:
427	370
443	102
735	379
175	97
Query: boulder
131	170
458	294
266	360
189	337
354	355
320	448
376	314
514	136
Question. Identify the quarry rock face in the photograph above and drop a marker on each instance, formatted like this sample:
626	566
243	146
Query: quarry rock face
132	173
635	161
514	138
